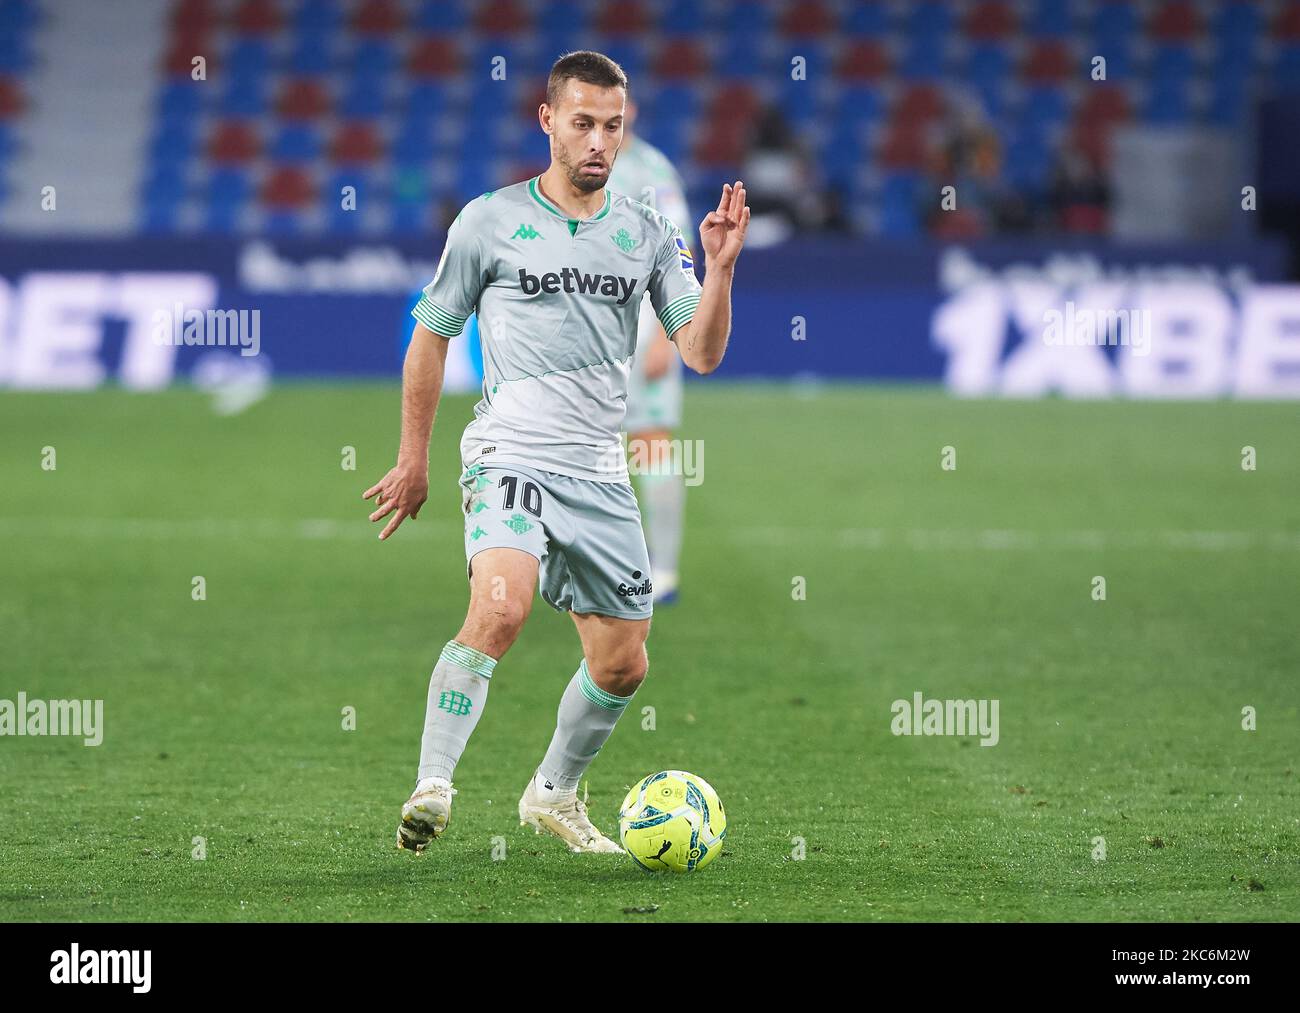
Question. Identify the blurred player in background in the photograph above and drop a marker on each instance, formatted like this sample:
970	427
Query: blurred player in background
654	390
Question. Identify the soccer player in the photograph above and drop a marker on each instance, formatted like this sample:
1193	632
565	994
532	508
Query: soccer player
654	395
556	267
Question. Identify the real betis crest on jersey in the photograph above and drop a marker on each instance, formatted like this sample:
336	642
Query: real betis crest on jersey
623	241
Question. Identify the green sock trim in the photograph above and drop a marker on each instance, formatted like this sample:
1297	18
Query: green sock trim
466	657
597	695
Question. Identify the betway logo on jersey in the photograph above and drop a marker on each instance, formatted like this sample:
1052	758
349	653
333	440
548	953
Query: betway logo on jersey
572	281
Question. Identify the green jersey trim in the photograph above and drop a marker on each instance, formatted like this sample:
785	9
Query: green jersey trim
437	319
679	312
535	191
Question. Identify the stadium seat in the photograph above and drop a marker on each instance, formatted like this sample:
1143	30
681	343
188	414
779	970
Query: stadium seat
287	186
12	100
234	142
356	144
378	17
1174	20
257	17
296	143
622	17
863	60
990	20
434	56
302	99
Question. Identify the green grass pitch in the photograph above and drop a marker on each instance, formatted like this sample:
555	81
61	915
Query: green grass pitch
1119	719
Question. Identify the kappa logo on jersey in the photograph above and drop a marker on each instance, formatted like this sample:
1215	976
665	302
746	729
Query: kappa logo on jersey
571	280
688	262
527	232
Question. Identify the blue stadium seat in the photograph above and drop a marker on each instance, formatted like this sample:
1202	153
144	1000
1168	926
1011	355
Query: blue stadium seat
312	53
227	195
1286	71
1114	21
1227	103
181	99
1173	63
923	59
248	58
988	65
898	206
317	16
1050	19
413	143
16	53
858	106
282	223
682	17
931	22
296	142
440	17
173	143
243	97
425	102
1044	107
1027	158
866	21
675	101
372	58
366	97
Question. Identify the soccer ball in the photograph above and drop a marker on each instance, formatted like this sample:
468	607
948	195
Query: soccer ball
672	820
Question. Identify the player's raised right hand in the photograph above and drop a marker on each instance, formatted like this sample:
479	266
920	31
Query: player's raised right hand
401	493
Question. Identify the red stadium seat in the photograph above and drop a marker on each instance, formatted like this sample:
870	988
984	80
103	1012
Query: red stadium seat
807	19
865	60
723	143
288	187
378	17
532	98
184	47
234	142
919	104
990	20
356	144
735	101
257	17
679	58
1286	25
302	99
1104	104
1048	62
1092	137
904	146
502	17
12	101
194	16
1176	20
622	17
434	56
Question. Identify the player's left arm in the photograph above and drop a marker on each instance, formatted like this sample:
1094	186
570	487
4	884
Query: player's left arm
703	340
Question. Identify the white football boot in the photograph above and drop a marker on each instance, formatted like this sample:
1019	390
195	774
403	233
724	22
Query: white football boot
425	814
565	817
